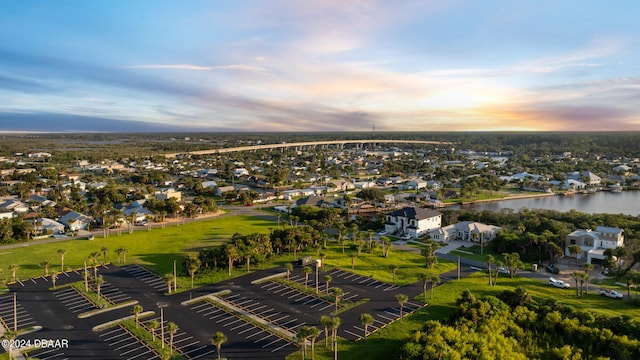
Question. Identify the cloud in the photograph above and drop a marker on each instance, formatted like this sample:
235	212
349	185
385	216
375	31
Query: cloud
199	68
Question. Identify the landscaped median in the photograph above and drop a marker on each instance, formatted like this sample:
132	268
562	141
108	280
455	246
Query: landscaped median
215	299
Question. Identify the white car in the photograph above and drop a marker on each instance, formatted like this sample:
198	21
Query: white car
503	270
406	237
610	293
382	233
559	283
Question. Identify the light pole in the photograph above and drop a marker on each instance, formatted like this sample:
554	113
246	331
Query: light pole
161	306
175	277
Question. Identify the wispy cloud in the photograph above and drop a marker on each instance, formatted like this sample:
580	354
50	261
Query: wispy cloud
198	67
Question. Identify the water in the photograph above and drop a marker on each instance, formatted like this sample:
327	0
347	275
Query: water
603	202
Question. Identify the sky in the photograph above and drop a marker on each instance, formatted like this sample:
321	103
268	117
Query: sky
319	65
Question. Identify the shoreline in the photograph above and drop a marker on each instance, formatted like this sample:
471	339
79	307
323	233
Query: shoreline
511	197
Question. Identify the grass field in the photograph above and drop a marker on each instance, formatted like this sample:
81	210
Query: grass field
156	249
385	343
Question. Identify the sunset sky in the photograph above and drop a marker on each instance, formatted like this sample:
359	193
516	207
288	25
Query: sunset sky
292	65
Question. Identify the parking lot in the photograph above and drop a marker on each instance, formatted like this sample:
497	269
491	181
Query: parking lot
273	302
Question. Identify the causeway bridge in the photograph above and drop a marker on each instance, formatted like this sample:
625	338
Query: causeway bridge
339	143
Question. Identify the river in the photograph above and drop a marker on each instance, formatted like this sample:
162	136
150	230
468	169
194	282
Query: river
603	202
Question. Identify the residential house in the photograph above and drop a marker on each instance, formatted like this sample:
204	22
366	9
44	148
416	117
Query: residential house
75	221
49	226
594	243
15	205
412	221
465	231
165	194
5	213
587	177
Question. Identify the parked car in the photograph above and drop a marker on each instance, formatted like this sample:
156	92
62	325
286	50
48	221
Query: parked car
558	283
382	233
503	270
552	269
406	237
610	293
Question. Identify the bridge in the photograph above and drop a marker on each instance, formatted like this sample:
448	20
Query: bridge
340	143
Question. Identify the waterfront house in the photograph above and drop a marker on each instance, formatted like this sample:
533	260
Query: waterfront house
465	231
412	221
594	242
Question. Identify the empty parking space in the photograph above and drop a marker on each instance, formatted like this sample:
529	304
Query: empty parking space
111	293
361	280
245	329
47	354
296	296
152	279
22	319
73	300
127	345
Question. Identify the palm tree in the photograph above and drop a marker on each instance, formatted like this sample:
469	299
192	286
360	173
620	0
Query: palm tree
85	276
13	268
326	322
575	250
99	280
168	279
327	280
301	339
402	299
193	264
335	324
366	320
54	277
153	325
337	294
312	333
587	268
576	277
289	268
94	259
61	252
394	268
425	278
233	254
137	309
172	328
307	270
490	261
10	335
104	254
45	265
354	256
124	254
218	339
386	245
435	280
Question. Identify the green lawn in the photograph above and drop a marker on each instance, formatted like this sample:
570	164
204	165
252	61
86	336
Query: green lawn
386	343
156	249
373	264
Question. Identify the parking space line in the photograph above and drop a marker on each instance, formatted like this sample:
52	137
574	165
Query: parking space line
254	334
244	331
354	334
281	347
386	318
192	350
203	355
284	288
233	322
326	307
263	338
144	353
239	326
273	342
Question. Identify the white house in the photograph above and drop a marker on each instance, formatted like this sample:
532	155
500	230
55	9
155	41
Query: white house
586	177
465	231
412	221
594	243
